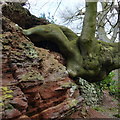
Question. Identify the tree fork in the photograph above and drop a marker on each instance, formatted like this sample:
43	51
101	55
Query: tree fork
87	39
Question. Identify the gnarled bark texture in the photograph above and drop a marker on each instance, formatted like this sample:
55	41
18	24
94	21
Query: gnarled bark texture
86	56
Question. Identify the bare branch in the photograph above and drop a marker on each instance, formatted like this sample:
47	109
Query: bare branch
102	20
115	32
57	7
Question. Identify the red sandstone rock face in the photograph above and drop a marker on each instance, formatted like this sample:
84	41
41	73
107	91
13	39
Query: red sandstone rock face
35	85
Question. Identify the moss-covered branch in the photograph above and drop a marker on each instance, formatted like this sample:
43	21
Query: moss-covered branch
93	66
65	38
55	34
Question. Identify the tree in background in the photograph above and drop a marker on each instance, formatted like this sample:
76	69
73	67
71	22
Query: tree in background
107	20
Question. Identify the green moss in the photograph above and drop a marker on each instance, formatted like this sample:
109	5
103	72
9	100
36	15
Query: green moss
68	85
6	95
31	53
33	75
72	103
1	36
98	108
6	90
1	104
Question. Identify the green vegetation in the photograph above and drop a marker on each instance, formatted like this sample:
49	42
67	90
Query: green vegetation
5	97
6	93
91	92
72	103
98	108
69	85
32	75
110	84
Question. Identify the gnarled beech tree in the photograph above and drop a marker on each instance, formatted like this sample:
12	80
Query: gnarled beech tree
86	56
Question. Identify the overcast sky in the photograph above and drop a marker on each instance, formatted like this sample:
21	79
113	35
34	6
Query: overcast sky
45	6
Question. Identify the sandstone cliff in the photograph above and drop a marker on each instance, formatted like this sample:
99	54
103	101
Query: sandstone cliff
35	83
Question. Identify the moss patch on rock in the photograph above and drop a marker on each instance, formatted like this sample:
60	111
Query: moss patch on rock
32	75
7	95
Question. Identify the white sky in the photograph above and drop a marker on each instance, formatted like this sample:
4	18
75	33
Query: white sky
44	6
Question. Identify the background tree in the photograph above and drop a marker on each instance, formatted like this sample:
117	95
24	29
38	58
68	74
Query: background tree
107	20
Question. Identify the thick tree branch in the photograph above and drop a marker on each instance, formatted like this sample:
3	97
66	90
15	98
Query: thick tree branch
92	67
116	58
87	38
64	38
50	32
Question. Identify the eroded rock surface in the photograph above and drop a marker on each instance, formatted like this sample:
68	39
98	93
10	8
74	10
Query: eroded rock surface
34	84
